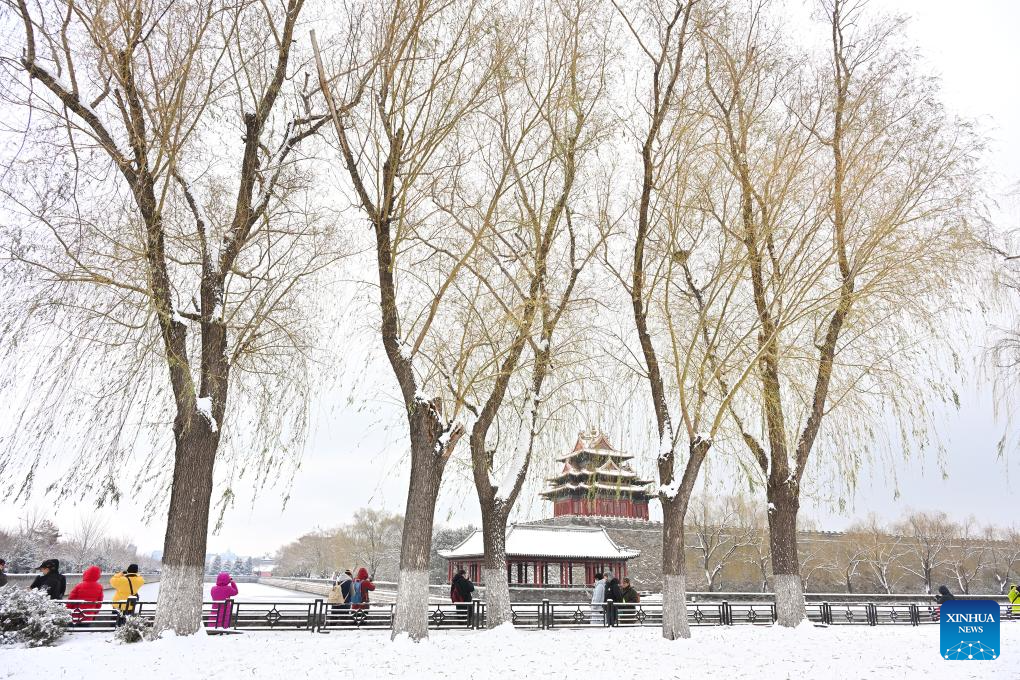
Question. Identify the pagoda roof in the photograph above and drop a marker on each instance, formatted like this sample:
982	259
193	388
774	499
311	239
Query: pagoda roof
547	541
594	443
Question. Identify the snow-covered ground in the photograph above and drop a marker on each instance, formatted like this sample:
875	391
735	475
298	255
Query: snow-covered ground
772	653
246	592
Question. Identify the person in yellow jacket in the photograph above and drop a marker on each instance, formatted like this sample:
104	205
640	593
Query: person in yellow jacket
126	584
1014	599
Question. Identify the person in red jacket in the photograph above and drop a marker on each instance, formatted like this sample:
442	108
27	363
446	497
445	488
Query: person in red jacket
360	589
87	597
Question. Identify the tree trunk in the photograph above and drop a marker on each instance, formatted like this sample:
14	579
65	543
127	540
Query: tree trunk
497	588
179	604
674	581
410	614
786	581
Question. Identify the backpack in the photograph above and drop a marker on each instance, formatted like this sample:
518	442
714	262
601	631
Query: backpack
356	593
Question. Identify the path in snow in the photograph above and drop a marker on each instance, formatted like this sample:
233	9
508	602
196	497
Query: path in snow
772	653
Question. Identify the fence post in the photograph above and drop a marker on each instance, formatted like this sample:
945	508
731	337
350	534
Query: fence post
317	616
725	616
772	610
915	615
826	613
543	614
872	612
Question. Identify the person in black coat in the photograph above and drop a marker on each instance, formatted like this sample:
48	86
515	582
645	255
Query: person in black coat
51	580
944	595
614	593
461	588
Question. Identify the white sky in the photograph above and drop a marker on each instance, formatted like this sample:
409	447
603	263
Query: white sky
354	460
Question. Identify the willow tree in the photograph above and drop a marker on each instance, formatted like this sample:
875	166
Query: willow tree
403	99
161	250
682	274
537	234
854	192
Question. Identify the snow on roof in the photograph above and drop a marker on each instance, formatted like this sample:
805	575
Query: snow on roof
599	472
584	486
547	541
605	453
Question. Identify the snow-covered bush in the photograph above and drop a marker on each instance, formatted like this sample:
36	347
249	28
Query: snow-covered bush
31	617
133	630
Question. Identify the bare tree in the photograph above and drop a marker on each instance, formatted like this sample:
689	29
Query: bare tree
849	218
85	539
928	538
815	564
881	551
545	121
680	279
721	538
402	99
375	541
1003	556
174	272
968	555
848	560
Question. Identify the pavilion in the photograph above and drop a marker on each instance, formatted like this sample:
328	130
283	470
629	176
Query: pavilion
545	556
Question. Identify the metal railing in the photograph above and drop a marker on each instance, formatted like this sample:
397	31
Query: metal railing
319	616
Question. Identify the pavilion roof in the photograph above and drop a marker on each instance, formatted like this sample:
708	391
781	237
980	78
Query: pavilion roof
595	443
587	486
547	541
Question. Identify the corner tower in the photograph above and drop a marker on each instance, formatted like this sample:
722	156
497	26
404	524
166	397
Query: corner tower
597	481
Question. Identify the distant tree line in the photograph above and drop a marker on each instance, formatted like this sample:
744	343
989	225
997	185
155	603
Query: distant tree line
37	538
371	540
727	548
242	566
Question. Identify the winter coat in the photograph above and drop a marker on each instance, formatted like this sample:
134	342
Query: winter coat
359	591
53	583
599	595
224	589
944	595
1014	599
461	589
613	591
125	586
89	594
628	594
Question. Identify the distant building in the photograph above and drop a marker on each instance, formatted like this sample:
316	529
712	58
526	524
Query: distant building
545	556
596	485
263	566
597	481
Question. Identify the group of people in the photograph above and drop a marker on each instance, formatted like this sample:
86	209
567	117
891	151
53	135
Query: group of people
350	591
86	598
607	588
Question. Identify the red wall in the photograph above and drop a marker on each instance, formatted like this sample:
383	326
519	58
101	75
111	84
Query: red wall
603	507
